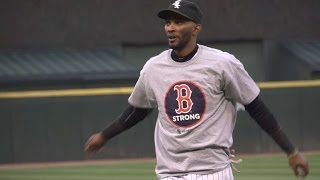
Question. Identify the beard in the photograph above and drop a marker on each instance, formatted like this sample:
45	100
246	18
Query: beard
181	42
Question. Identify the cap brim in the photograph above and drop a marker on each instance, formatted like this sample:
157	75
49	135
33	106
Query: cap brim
165	13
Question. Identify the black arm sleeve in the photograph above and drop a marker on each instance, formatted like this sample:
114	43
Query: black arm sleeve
130	117
265	119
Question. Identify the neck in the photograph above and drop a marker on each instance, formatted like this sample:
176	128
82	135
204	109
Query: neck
176	57
186	51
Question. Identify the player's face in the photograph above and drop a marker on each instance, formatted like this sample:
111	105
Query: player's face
180	32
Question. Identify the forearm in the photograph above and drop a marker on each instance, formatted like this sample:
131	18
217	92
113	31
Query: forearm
130	117
265	119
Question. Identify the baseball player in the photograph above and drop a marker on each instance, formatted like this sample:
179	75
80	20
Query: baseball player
195	89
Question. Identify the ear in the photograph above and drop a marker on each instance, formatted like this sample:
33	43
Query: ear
197	29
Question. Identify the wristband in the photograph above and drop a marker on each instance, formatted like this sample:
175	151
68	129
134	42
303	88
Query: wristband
293	154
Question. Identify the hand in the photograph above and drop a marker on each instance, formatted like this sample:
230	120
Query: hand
298	164
95	143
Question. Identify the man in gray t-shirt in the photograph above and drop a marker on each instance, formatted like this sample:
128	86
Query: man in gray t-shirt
196	101
195	89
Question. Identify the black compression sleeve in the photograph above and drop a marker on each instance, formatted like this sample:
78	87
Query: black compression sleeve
265	119
130	117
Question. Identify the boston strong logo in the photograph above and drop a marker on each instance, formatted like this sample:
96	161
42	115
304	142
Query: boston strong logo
184	104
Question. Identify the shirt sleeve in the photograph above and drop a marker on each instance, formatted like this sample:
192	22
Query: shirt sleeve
238	85
142	96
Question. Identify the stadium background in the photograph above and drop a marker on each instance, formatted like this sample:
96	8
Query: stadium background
67	68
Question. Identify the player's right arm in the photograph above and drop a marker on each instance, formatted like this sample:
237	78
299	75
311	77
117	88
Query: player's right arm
265	119
128	118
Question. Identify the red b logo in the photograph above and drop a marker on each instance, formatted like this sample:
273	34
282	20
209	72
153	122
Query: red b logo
184	98
185	104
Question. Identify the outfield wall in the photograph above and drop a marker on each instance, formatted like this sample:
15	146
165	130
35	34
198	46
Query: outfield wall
53	125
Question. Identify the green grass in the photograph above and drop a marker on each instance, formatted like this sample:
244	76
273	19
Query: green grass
274	168
252	168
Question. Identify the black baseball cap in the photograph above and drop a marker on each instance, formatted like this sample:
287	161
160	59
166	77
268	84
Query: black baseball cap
184	8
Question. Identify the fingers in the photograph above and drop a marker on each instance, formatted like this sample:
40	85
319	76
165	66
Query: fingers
306	170
88	142
92	146
94	143
302	170
299	165
92	149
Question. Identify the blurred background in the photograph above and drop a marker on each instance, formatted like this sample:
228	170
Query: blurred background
67	68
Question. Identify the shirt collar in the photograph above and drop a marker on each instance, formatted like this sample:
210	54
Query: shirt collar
176	58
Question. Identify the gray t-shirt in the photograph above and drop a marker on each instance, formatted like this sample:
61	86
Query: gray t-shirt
196	101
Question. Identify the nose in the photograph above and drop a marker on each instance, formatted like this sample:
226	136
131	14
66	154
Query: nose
169	27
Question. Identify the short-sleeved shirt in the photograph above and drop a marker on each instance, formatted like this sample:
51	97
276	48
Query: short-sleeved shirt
196	101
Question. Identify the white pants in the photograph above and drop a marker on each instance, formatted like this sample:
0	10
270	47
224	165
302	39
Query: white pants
225	174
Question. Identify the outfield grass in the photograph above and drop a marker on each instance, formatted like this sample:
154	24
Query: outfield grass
261	167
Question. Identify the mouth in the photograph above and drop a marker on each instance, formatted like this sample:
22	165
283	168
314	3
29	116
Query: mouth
172	38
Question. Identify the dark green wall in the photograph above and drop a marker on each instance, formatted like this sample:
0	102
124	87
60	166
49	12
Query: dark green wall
55	129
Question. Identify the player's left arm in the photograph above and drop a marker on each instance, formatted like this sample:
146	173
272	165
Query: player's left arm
265	119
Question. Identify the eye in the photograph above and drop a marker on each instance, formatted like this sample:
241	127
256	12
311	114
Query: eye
179	22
